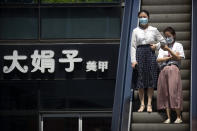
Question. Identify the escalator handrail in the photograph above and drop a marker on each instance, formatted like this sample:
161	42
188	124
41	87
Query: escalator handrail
123	93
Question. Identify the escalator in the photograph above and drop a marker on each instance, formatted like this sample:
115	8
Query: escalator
164	13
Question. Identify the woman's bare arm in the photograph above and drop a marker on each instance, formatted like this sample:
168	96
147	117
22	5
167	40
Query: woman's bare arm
175	55
163	59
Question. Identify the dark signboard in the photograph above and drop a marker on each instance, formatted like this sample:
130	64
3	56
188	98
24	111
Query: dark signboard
58	77
58	61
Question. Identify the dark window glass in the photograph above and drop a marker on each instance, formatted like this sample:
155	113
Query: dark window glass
20	23
96	124
80	1
80	23
19	123
60	124
18	95
18	1
77	95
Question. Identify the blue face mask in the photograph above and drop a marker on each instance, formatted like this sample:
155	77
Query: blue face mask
169	40
143	21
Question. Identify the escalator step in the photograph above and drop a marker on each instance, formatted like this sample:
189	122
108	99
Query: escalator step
167	8
182	26
186	95
185	74
155	117
166	2
186	44
169	18
136	104
183	35
186	64
159	127
186	84
164	13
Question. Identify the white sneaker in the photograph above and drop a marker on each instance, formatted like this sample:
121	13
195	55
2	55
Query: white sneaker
178	121
167	121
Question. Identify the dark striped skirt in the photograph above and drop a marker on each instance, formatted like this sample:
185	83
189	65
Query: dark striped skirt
147	68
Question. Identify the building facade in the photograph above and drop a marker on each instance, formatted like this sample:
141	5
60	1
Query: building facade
58	64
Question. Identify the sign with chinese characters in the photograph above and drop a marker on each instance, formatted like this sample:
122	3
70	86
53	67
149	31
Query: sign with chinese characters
59	61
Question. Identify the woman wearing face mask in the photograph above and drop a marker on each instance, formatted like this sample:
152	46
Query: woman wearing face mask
143	46
169	92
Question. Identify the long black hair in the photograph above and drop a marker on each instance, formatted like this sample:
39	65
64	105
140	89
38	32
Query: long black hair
143	11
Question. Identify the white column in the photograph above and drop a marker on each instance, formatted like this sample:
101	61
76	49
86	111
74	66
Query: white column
80	123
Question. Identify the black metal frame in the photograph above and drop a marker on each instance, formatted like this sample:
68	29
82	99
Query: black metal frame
79	115
123	92
193	96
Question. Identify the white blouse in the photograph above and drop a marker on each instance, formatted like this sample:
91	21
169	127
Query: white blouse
141	36
177	47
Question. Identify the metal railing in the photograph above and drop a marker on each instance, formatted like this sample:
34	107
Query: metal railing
123	92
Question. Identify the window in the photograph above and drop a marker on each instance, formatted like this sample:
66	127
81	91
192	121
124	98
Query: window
19	123
60	19
18	1
80	22
96	124
77	95
56	1
60	124
80	1
18	23
65	95
76	122
18	95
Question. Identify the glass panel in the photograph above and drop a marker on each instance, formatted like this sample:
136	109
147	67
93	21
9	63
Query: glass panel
60	124
80	1
77	95
19	123
18	1
80	22
18	95
96	124
20	23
